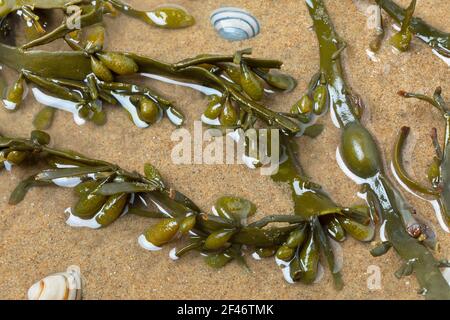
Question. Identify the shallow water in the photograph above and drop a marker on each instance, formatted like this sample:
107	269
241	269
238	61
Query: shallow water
35	240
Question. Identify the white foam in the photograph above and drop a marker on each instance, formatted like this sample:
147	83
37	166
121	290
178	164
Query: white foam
446	274
285	270
383	236
434	203
173	118
8	165
173	254
65	166
159	21
256	256
58	103
395	174
67	182
214	211
249	161
211	122
77	222
131	108
9	105
440	215
205	90
92	223
334	118
147	245
372	55
442	57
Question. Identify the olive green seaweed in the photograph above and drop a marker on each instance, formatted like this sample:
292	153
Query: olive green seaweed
63	73
313	204
103	187
167	17
309	243
362	158
436	39
438	173
90	15
90	74
402	39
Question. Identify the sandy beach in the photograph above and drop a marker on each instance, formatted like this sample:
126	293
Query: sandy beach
35	241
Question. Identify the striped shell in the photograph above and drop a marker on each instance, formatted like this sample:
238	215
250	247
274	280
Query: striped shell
234	24
58	286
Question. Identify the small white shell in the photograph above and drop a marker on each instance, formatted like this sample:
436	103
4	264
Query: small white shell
234	24
58	286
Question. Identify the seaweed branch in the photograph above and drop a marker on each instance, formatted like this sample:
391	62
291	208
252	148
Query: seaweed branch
87	13
438	172
106	192
436	39
327	220
362	159
79	81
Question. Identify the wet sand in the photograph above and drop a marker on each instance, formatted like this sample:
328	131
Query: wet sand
35	241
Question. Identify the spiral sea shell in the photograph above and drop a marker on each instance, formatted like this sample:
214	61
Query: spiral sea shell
234	24
58	286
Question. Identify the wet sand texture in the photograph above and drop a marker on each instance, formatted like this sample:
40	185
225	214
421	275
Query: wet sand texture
34	240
